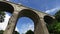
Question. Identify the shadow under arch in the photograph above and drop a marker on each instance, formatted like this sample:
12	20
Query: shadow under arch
30	14
6	7
48	19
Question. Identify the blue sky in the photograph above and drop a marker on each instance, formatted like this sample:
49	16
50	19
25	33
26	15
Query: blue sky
24	24
47	6
42	5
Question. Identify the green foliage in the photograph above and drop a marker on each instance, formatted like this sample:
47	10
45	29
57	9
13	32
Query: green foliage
2	16
29	32
2	13
1	31
16	32
54	28
57	15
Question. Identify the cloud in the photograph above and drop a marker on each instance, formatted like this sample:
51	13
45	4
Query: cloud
19	3
3	25
24	24
29	27
7	0
26	27
52	11
16	29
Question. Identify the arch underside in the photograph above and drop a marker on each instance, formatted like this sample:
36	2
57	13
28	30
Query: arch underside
6	7
30	14
48	19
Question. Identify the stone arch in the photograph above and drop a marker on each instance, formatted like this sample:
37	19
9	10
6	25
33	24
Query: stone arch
6	7
30	14
48	19
40	27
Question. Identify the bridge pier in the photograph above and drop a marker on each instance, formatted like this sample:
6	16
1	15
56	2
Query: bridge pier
41	27
11	24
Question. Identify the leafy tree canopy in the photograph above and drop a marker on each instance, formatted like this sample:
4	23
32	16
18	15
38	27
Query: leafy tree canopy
1	31
29	32
16	32
2	16
57	15
54	28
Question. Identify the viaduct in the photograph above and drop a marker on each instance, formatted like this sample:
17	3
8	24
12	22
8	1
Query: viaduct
18	11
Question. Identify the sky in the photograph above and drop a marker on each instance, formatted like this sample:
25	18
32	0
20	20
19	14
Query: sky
25	23
4	24
41	5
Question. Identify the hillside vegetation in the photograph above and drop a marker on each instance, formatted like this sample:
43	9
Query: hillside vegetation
54	28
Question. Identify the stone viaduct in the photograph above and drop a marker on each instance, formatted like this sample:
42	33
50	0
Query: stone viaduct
18	11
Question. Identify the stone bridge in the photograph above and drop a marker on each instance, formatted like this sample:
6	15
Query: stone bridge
18	10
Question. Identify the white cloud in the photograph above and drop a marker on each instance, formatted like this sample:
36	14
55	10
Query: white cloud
7	0
52	11
25	27
16	29
3	25
29	27
19	3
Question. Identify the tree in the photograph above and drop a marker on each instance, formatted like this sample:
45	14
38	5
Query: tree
57	16
1	31
29	32
54	28
2	16
15	32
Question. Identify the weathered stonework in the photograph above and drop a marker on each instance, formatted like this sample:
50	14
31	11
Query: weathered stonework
22	11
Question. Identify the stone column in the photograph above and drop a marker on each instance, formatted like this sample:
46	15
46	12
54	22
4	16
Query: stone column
41	27
12	23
